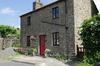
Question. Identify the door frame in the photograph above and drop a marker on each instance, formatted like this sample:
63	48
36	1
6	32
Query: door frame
41	48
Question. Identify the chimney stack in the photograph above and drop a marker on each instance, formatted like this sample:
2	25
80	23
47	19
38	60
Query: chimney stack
37	0
37	4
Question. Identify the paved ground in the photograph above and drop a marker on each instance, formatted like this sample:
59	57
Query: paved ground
28	61
3	63
5	59
34	61
39	61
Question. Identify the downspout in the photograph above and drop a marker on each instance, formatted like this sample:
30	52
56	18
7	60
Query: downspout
67	47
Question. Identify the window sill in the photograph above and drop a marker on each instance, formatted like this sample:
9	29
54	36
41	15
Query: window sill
55	18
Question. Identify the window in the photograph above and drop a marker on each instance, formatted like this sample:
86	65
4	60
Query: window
55	12
56	39
28	20
28	41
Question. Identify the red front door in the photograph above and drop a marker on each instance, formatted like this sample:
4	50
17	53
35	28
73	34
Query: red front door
42	45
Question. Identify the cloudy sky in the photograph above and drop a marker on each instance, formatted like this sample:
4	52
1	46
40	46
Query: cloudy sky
10	10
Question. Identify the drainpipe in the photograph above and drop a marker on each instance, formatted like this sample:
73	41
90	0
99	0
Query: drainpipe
66	28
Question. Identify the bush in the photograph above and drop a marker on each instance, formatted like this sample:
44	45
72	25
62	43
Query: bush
90	35
47	52
35	51
82	64
30	52
61	57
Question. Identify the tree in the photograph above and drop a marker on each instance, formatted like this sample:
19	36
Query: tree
90	35
6	31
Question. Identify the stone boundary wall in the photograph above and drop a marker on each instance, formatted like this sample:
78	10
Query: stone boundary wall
7	42
1	41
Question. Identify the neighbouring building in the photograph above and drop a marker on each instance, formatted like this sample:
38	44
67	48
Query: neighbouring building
56	25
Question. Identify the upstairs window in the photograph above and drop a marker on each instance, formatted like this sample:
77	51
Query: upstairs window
28	41
29	20
55	39
55	12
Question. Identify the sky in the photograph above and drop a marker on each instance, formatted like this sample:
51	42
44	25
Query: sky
10	10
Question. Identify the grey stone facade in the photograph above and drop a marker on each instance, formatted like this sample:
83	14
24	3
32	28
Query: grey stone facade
72	14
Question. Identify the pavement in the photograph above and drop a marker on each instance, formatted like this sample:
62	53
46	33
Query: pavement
7	55
10	63
7	59
40	61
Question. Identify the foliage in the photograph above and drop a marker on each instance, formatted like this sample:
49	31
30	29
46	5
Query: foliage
47	52
35	51
17	33
6	31
32	51
90	35
61	57
16	43
82	64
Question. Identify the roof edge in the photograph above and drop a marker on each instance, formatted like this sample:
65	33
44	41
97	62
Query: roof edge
42	7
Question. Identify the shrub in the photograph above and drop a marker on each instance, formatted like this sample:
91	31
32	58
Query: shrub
47	52
61	57
30	51
82	64
35	51
90	35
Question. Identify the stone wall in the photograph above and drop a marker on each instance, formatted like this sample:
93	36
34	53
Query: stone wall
70	30
83	9
7	42
1	42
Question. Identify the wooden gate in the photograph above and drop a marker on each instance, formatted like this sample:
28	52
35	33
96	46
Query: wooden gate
80	52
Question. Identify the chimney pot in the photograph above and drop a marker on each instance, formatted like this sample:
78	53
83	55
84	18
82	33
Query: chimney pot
37	4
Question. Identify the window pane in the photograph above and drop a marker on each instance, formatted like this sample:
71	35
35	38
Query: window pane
28	20
28	41
55	12
56	39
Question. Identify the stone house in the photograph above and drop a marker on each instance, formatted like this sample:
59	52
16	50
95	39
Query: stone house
56	25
